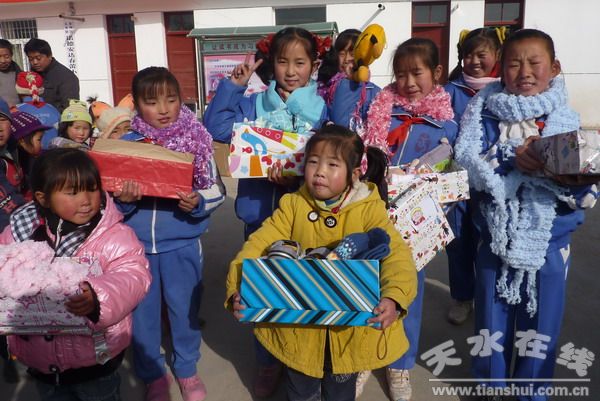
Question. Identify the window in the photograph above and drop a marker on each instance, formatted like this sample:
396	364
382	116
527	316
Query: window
120	24
430	14
504	13
300	15
18	32
179	22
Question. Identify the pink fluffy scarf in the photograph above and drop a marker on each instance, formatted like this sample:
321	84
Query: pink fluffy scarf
186	134
436	105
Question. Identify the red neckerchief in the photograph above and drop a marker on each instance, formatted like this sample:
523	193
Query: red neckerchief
540	125
14	174
469	91
398	135
338	207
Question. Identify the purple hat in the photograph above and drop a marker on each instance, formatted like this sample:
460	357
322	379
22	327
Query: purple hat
4	109
24	124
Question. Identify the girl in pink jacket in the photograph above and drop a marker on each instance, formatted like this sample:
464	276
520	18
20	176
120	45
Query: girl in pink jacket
76	218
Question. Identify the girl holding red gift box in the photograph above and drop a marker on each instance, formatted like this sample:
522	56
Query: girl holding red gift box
170	230
72	214
285	62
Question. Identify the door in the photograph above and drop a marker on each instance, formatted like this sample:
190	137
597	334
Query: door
431	20
123	59
181	54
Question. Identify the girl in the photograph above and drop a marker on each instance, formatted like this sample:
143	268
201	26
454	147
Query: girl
290	103
478	54
75	125
337	63
28	132
524	220
326	359
407	119
114	122
76	218
170	231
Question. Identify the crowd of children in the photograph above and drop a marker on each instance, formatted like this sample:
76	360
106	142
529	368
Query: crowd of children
508	261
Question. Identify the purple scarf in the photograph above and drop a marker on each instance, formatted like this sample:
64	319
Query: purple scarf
187	134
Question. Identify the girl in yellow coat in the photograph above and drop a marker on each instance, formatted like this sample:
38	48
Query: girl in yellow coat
332	204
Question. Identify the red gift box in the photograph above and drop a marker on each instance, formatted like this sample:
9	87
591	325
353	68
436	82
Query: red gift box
160	172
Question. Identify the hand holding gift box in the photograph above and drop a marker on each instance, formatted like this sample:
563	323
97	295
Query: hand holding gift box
159	171
34	286
254	149
570	153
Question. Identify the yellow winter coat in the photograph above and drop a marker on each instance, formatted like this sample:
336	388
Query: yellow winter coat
352	348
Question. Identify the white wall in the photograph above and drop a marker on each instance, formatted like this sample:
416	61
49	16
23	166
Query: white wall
575	31
231	17
395	19
150	40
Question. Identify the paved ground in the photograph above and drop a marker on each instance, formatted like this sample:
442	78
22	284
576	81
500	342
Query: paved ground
227	362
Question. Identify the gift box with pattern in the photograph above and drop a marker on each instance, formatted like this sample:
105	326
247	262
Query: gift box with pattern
418	217
310	291
452	186
254	149
576	152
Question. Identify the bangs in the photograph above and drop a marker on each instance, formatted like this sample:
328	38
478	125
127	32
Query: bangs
77	179
156	89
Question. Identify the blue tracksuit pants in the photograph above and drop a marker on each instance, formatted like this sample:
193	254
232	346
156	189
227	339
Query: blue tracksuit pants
176	278
461	253
412	326
494	314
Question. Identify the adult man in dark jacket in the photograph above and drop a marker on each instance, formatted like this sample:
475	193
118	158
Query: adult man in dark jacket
8	73
60	84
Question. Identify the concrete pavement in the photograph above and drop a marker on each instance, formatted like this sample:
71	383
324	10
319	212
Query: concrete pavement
227	362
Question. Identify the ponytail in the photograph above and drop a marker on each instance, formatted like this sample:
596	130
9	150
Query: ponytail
376	173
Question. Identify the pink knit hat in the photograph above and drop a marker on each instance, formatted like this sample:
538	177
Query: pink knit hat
30	83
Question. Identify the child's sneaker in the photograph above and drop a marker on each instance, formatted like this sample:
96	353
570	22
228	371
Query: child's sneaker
192	388
267	380
398	384
459	312
158	390
361	380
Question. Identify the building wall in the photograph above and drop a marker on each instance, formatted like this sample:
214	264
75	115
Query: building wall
572	27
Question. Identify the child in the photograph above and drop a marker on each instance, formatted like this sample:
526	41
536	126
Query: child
30	85
170	231
524	220
407	119
291	103
319	358
28	132
11	174
69	204
114	122
478	54
337	63
75	126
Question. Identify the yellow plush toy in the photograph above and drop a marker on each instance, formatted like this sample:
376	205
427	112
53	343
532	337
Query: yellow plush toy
368	48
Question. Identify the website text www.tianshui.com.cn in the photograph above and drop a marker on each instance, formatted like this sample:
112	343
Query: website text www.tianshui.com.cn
512	390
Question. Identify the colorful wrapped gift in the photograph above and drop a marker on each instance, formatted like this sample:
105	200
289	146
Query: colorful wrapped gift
418	217
254	149
576	152
34	285
452	186
310	291
160	172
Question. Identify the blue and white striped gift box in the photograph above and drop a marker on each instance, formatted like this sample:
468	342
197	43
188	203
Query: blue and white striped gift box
310	291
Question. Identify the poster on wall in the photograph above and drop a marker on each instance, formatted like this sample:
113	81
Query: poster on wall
219	66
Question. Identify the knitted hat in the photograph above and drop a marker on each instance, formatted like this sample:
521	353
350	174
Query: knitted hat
24	124
30	83
127	102
77	111
98	107
112	117
4	109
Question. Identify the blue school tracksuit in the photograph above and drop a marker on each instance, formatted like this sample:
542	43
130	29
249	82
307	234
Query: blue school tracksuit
171	239
424	134
256	198
495	314
348	96
461	251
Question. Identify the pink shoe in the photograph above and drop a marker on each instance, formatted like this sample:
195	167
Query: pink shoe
158	390
192	388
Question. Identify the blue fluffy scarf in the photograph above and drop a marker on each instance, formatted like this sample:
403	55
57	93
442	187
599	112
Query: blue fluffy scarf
523	208
299	113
